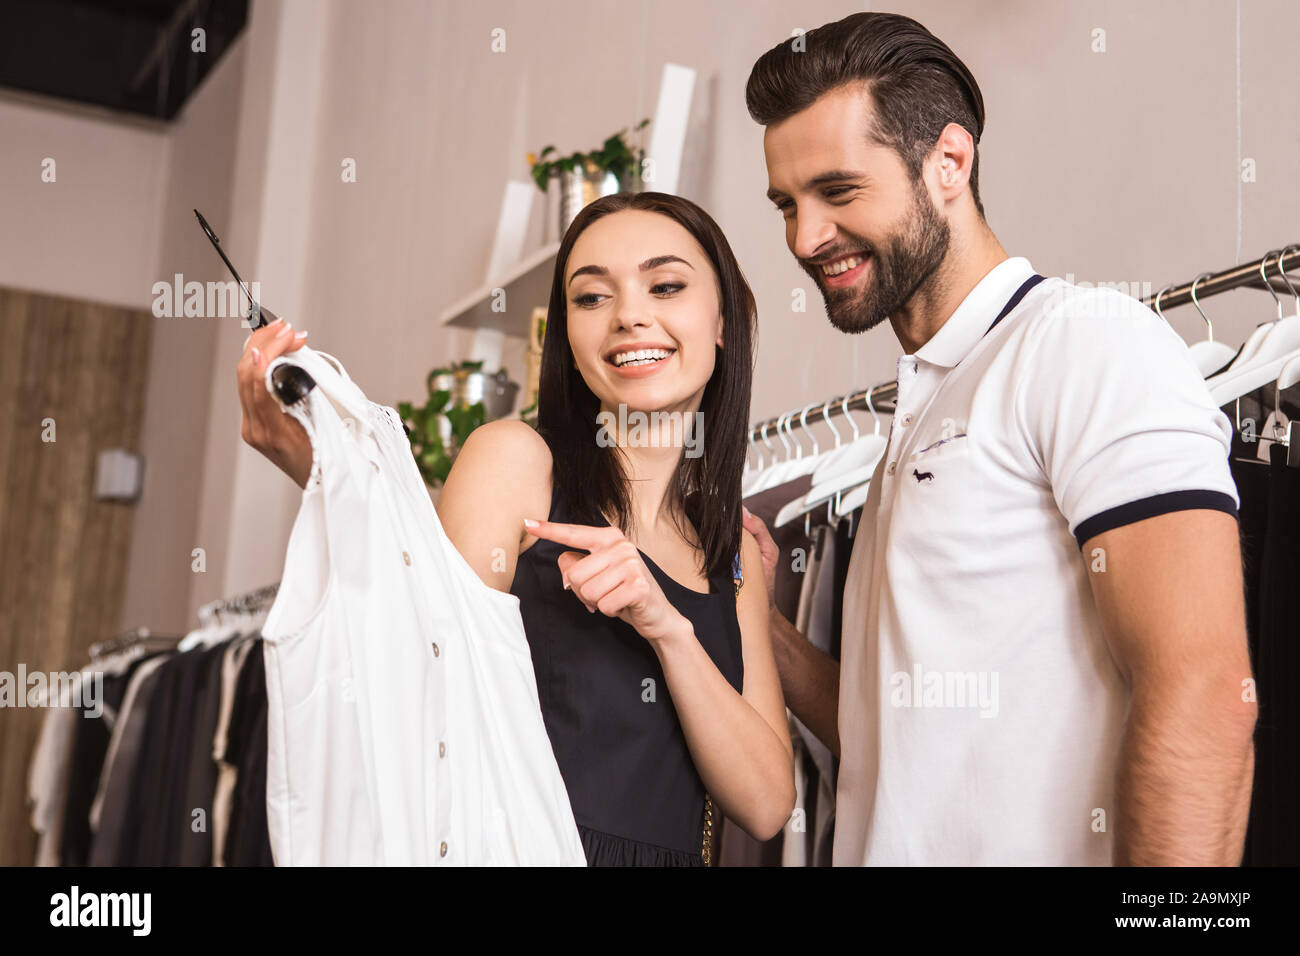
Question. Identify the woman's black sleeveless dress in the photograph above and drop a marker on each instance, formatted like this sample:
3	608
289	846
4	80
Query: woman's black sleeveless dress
636	796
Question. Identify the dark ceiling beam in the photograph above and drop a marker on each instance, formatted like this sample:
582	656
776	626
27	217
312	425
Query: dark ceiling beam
158	56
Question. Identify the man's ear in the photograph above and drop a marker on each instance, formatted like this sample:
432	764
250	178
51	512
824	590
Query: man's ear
956	154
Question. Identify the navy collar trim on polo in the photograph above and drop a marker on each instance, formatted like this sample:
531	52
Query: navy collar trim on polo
970	320
1014	301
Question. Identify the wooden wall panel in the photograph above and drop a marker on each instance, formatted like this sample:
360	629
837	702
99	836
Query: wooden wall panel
62	554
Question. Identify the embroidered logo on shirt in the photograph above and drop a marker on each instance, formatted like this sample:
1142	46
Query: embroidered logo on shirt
923	475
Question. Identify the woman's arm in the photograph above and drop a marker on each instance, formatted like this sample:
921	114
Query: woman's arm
502	473
740	742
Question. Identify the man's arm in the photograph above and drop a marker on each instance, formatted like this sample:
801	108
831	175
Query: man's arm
810	679
1171	607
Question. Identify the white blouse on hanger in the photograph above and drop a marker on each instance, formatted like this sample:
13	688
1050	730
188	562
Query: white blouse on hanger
403	715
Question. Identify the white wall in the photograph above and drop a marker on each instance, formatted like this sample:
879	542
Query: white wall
94	232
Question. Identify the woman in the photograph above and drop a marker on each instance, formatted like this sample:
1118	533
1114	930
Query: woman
617	524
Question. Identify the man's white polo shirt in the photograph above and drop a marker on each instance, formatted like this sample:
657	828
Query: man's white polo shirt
981	713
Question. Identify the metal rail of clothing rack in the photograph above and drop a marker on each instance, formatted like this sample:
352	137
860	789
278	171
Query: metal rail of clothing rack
1266	273
248	603
130	638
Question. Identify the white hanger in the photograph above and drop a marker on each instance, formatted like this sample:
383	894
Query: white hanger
1283	335
1208	355
839	451
1279	343
776	474
1260	332
852	466
755	479
801	464
764	478
794	464
850	501
793	509
856	453
211	631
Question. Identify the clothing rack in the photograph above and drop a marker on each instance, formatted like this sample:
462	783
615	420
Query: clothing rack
881	398
1268	272
129	638
250	602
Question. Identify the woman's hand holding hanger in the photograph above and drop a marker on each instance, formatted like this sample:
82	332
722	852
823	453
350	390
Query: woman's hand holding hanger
265	426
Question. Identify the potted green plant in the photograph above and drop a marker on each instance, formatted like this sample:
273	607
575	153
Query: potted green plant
438	429
585	176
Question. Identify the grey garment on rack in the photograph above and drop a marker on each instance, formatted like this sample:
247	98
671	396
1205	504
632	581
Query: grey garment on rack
112	801
823	618
816	618
47	776
799	831
816	621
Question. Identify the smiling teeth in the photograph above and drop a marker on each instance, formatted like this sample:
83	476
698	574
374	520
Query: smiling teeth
843	265
640	357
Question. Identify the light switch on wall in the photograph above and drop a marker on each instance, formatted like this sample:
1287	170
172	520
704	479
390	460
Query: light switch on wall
117	475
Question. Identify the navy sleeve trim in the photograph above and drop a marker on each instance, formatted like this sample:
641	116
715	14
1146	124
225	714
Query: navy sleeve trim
1150	507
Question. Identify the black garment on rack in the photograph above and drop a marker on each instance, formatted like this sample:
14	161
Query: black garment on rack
1271	542
248	841
142	828
165	762
636	796
844	533
156	784
1270	534
195	847
168	804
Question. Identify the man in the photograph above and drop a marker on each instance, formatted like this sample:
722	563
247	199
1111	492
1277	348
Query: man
1053	519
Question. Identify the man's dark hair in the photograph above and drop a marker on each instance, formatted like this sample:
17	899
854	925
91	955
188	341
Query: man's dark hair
917	84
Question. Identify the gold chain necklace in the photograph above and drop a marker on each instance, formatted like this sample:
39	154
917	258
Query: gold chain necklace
707	852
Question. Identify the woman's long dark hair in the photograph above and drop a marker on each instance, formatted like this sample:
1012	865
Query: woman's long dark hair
588	479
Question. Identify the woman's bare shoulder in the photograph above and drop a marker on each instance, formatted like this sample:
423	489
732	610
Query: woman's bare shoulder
506	456
509	439
501	475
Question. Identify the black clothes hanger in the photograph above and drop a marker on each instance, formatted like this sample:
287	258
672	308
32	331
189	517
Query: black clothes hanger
291	383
